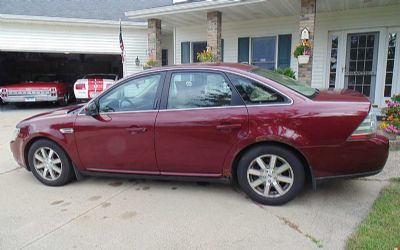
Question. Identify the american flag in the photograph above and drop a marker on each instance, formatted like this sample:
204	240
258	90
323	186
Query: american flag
121	43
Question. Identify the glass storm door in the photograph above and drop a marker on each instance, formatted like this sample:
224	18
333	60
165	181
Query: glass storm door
361	62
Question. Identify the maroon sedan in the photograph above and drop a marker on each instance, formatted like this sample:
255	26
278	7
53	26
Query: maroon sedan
236	122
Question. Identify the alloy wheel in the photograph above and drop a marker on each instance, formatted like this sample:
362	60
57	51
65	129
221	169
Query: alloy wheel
270	176
47	163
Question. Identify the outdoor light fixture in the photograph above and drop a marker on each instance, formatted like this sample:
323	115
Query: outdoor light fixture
137	61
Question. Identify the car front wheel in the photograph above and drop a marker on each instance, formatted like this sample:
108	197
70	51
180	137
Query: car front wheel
270	175
49	163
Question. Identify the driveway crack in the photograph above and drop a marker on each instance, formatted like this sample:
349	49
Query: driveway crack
9	171
295	227
74	218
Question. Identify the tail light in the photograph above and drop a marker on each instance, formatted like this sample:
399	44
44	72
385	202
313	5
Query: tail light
53	92
367	128
80	86
3	93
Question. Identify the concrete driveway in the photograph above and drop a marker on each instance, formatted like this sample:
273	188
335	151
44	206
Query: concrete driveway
110	213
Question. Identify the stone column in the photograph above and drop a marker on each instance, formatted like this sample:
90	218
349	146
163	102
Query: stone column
214	34
307	20
154	40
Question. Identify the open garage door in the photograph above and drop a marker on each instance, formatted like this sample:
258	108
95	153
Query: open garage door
16	67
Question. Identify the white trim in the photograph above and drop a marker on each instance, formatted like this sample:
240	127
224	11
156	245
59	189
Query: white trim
174	47
69	21
396	77
186	7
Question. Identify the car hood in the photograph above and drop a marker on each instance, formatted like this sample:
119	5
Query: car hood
61	113
32	85
340	95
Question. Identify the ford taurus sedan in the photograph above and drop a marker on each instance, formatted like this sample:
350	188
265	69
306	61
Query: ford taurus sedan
264	131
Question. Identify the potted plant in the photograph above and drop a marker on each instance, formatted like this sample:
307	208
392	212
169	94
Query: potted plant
150	64
303	52
205	56
391	122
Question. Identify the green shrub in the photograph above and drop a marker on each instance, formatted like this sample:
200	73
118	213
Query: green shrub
287	72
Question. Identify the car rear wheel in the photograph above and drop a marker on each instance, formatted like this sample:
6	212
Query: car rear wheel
270	175
49	163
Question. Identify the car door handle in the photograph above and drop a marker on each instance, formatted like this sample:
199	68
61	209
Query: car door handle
136	130
229	126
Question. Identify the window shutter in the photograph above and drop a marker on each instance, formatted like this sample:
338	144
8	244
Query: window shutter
185	52
284	50
243	49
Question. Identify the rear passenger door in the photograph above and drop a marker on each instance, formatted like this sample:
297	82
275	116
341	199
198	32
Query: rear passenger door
201	118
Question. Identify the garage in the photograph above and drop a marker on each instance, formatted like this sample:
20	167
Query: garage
16	67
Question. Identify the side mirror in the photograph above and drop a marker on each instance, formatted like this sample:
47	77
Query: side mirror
91	109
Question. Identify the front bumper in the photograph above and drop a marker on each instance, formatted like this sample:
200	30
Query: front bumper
17	149
36	98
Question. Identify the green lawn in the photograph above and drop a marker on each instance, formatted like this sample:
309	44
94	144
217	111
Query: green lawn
381	228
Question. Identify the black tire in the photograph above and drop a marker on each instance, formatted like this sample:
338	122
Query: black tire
65	100
20	105
67	172
297	174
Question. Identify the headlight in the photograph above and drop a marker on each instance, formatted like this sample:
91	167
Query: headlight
15	134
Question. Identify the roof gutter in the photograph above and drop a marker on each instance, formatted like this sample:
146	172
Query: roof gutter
69	21
187	7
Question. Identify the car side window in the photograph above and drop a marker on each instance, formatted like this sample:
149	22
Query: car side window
136	95
253	92
198	89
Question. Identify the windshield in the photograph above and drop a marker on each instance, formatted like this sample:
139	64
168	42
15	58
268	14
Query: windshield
286	81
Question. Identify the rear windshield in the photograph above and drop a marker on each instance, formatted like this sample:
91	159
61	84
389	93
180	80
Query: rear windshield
100	76
286	81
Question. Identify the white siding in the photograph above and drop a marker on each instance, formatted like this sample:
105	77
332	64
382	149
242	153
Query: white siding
356	20
60	38
231	31
167	42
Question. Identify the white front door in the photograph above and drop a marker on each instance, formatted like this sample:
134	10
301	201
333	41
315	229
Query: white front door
366	61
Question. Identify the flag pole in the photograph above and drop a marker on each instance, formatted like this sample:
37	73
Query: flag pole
122	49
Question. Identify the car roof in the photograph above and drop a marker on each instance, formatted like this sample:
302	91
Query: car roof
236	67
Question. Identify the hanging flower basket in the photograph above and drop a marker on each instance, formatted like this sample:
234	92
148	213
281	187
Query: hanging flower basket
303	59
303	52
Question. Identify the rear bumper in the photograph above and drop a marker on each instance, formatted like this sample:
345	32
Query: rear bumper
40	98
320	180
356	158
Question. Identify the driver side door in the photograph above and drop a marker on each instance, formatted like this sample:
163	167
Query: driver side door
120	138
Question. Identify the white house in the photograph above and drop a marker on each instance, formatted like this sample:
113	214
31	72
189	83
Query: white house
356	43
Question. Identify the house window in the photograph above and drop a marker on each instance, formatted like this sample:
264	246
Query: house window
263	50
284	50
390	64
333	60
198	47
193	48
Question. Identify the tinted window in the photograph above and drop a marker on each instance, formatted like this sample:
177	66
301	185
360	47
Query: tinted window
253	92
195	90
135	95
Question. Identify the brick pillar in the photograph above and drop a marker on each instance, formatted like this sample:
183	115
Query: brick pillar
307	20
214	34
154	40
